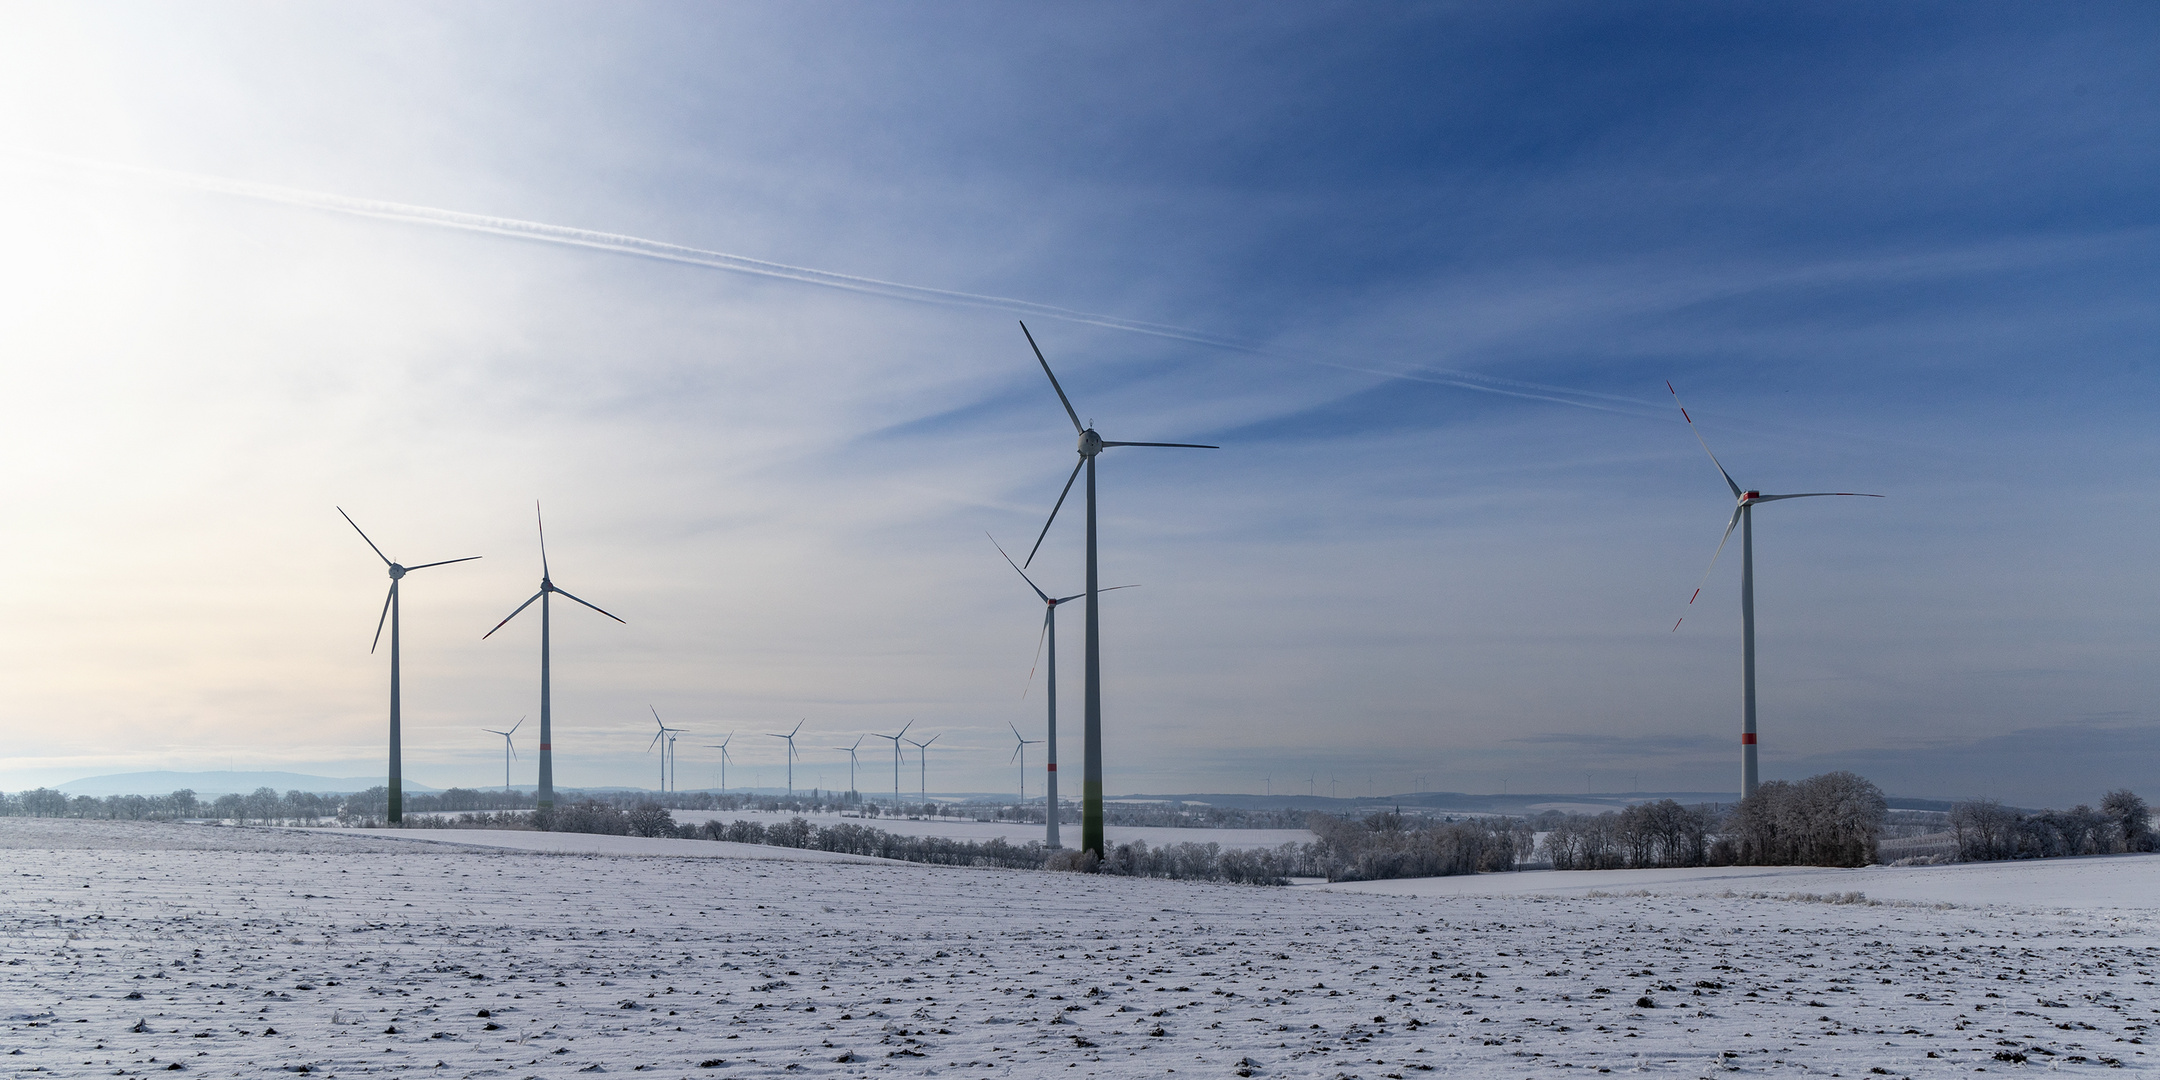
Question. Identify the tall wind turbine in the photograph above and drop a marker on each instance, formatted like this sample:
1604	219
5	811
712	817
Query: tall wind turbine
508	750
722	747
896	761
1091	445
545	795
1019	754
790	737
922	754
1743	516
665	740
851	764
1049	635
396	782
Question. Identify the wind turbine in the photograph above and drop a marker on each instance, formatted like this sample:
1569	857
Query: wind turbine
545	795
1019	754
508	750
851	763
396	781
1092	444
665	739
896	760
722	747
1743	516
790	737
922	755
1049	634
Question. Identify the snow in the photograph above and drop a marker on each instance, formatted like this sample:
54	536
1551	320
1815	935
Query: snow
2092	882
591	963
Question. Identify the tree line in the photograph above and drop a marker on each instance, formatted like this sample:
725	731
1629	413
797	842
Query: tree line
1829	820
1986	830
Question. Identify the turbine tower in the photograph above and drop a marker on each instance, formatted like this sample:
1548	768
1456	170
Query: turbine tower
544	796
1019	754
790	737
1743	516
665	739
922	755
508	750
1091	775
850	750
1049	635
896	761
722	747
395	784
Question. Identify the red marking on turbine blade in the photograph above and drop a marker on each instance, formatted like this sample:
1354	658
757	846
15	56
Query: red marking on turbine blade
1676	624
1692	596
1747	738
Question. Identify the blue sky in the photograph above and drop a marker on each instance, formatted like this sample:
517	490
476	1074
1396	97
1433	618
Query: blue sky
1905	249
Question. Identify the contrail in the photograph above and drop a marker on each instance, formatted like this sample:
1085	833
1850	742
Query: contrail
742	264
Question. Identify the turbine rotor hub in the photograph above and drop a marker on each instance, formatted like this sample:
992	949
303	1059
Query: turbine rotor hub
396	571
1090	443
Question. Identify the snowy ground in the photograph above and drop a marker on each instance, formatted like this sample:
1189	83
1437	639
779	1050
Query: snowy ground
232	952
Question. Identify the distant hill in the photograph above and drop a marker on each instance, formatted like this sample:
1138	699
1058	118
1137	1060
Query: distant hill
220	783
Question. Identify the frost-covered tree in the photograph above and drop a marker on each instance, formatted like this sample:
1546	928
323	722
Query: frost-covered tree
2133	820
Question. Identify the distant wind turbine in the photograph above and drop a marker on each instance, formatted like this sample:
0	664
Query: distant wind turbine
545	795
665	739
1092	445
396	781
790	737
1050	697
896	760
722	747
1743	516
922	755
850	751
1019	754
508	750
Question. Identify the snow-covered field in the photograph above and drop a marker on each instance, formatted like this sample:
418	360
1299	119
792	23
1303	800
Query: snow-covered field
131	948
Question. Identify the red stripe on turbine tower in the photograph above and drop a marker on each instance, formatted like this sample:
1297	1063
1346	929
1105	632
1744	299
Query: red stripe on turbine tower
1747	738
1053	766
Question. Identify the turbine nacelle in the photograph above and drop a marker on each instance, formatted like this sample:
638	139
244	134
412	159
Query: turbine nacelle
1750	496
1091	443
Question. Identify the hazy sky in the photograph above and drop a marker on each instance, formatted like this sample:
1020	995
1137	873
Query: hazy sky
1906	249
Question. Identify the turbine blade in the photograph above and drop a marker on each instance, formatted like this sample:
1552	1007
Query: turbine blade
542	523
356	528
513	615
1186	445
514	727
1015	731
933	738
1037	662
1016	568
1816	495
906	726
383	618
1729	526
560	590
1078	596
1014	756
1705	442
1053	513
798	727
1062	399
444	562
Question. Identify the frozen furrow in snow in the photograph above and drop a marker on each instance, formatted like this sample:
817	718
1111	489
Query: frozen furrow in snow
342	958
